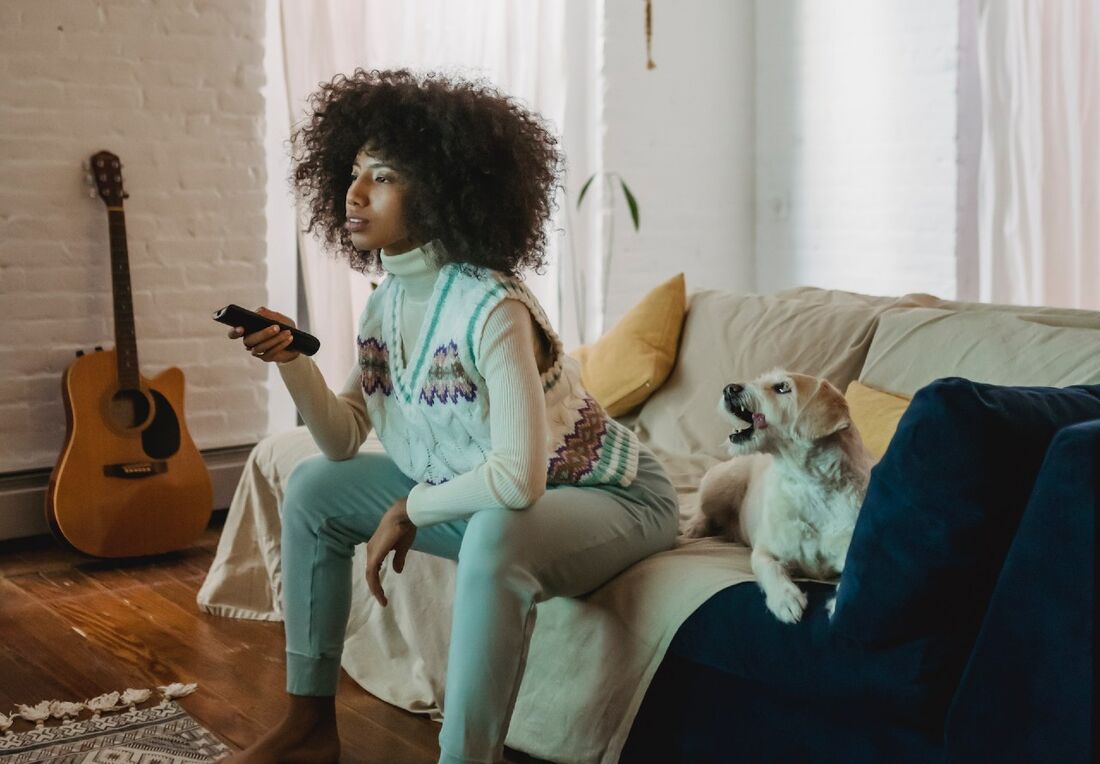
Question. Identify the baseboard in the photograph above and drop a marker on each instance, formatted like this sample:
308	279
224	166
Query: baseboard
23	494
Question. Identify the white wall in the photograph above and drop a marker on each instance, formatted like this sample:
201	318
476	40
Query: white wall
781	143
681	135
856	145
173	88
777	142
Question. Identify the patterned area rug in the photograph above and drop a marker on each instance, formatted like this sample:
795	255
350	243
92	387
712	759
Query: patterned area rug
163	734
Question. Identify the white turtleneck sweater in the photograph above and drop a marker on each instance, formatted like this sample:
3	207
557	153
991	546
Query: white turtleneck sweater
510	354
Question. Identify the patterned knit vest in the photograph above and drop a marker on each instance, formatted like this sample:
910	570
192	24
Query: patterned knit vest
432	413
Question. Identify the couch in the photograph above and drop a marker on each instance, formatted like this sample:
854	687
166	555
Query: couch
1003	673
1021	685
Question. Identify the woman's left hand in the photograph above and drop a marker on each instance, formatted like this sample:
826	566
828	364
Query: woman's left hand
395	533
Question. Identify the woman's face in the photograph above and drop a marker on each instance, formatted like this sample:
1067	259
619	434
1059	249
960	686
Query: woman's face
375	206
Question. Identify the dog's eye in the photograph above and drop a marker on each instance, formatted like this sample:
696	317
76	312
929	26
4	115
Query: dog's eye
782	387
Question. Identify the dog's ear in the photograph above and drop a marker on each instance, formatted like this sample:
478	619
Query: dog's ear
823	414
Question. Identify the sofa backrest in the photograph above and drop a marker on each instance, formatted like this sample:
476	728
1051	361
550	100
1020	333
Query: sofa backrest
913	347
1040	314
729	337
896	344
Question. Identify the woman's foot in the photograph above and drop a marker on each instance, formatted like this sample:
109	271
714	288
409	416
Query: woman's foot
306	735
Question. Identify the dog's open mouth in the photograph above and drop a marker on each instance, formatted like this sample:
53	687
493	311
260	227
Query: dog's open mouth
746	417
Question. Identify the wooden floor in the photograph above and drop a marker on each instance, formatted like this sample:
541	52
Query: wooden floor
72	628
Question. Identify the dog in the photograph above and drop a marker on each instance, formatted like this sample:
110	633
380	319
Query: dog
793	488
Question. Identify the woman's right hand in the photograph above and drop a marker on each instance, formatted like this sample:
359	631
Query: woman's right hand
270	343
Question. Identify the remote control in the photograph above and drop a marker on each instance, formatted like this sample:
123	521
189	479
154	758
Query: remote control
235	315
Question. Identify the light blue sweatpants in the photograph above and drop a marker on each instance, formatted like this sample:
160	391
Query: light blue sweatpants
567	543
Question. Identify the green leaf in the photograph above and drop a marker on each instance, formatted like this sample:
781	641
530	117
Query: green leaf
584	189
630	202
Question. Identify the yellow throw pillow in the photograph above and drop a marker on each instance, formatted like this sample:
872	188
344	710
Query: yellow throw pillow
631	360
875	414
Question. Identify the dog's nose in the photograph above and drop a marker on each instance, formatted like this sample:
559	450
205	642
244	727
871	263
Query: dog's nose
733	390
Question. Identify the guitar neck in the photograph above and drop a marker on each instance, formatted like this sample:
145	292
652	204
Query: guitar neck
125	334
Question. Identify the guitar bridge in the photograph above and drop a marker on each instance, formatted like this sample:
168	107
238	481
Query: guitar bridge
135	469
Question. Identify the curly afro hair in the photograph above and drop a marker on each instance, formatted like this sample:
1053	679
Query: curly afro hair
482	169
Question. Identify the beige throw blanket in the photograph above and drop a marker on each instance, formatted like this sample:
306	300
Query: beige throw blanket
590	660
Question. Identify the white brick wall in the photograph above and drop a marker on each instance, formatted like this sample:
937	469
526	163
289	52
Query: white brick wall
856	145
173	88
785	142
681	135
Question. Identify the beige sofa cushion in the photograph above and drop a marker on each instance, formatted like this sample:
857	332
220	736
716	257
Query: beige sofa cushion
911	348
1086	319
1039	314
840	297
733	338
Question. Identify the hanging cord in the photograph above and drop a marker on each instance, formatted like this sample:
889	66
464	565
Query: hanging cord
649	35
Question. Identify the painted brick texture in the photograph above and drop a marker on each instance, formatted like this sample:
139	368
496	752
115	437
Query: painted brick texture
856	151
681	135
174	89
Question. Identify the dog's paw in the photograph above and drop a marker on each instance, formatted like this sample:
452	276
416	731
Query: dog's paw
697	527
830	606
787	602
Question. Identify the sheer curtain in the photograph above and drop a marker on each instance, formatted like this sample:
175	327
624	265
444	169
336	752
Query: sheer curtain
1039	173
517	45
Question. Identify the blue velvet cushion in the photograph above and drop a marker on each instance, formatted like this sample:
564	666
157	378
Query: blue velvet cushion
735	633
941	509
1029	692
695	714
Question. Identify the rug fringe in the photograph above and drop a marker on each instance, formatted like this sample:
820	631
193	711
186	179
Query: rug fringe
108	702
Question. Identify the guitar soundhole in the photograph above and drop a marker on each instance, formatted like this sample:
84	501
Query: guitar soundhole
128	409
161	438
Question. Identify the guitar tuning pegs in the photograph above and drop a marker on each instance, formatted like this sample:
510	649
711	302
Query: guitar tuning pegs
87	165
125	194
89	178
91	193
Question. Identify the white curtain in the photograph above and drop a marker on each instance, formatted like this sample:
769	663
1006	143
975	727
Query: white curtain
1039	174
519	46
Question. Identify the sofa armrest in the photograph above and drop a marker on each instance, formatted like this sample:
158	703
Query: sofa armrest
1028	692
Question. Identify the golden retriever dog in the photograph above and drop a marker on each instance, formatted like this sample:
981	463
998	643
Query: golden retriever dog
793	488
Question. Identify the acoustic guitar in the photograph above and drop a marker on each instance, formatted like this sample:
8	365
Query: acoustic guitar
129	480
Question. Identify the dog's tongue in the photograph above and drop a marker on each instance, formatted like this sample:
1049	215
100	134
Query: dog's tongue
759	421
